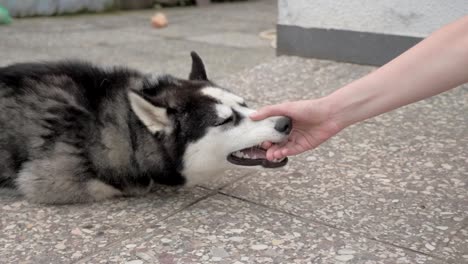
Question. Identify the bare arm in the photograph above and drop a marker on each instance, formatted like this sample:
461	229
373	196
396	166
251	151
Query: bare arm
436	64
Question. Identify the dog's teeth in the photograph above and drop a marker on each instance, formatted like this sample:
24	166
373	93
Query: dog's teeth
247	156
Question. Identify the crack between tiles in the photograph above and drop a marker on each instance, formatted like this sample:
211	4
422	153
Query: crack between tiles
316	222
223	186
142	231
458	230
452	237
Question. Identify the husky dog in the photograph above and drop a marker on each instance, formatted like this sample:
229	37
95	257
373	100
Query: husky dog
73	132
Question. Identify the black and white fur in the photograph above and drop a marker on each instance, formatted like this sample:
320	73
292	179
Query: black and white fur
74	132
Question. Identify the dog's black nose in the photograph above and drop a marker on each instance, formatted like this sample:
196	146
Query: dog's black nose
284	125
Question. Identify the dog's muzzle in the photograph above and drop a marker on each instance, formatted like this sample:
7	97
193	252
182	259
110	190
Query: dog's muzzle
256	155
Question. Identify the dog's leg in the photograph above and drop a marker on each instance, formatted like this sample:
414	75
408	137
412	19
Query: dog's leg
61	178
6	171
8	168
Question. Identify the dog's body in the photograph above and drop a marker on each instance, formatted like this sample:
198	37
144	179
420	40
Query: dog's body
73	132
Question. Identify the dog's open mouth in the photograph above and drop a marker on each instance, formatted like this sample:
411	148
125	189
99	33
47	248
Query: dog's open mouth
254	156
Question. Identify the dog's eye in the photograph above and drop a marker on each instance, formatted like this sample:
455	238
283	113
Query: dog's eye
225	121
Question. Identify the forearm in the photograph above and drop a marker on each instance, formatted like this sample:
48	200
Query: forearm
435	65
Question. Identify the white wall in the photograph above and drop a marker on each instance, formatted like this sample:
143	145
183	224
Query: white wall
415	18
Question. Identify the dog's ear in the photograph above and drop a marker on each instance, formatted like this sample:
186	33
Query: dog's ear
153	117
198	68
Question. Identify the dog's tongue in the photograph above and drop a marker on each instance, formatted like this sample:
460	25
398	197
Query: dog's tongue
254	153
255	156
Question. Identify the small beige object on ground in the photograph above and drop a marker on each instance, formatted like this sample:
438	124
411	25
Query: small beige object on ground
269	35
159	20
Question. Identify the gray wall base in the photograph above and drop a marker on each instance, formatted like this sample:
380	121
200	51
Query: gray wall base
341	45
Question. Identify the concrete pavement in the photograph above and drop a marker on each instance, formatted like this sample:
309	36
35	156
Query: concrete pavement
390	190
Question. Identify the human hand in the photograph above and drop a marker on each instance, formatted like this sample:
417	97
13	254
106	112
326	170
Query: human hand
312	125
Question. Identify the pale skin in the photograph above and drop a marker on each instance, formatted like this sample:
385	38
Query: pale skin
435	65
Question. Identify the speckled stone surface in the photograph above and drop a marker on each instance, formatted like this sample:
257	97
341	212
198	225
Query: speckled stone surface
33	233
292	78
227	178
400	178
456	247
222	229
390	190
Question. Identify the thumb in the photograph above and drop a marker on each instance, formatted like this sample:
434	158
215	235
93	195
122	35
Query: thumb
271	110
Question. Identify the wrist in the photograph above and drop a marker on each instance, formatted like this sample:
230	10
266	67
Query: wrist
349	104
326	107
333	106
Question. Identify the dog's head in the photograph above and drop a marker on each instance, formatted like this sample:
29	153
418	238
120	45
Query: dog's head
204	126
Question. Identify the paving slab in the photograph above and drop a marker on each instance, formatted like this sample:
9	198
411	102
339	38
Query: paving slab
242	16
33	233
390	190
155	55
239	40
221	229
400	178
225	35
226	178
292	78
456	247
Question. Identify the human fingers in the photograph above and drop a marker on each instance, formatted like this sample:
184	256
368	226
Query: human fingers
271	110
270	152
266	144
276	152
290	148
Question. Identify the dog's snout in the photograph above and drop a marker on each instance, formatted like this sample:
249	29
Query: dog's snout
284	125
